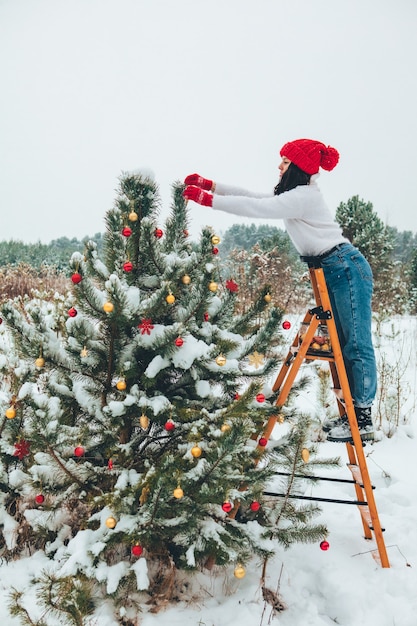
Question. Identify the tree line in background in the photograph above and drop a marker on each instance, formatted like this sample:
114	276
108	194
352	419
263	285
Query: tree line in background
253	255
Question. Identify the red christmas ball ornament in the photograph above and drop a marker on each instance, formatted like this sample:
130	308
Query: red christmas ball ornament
286	325
137	550
179	342
324	545
126	231
169	425
236	396
39	498
260	397
262	442
227	506
255	505
206	317
1	320
186	233
72	312
110	464
158	233
128	266
79	451
215	250
76	278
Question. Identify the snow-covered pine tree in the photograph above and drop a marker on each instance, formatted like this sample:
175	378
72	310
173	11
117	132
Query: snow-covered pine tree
130	444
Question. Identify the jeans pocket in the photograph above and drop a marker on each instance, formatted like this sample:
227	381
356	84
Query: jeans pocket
362	266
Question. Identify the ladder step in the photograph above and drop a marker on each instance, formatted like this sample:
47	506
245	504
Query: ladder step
312	355
366	516
339	395
356	473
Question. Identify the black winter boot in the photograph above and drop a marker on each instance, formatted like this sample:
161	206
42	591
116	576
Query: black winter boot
340	431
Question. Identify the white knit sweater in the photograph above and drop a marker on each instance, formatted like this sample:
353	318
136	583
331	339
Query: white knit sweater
306	216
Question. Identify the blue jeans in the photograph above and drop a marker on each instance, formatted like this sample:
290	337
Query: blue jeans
350	285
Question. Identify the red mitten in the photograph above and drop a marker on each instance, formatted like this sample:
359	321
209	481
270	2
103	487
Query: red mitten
198	195
199	181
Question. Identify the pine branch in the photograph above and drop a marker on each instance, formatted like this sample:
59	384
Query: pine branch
70	475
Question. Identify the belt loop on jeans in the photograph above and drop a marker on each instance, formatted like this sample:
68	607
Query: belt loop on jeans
329	252
314	261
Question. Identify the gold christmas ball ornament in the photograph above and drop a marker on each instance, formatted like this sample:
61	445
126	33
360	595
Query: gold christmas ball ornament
144	421
133	216
110	522
40	362
10	413
239	572
186	279
170	298
108	307
213	286
221	360
267	297
305	455
215	240
178	493
121	384
196	451
225	427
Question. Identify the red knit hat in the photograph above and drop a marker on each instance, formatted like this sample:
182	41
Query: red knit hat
309	155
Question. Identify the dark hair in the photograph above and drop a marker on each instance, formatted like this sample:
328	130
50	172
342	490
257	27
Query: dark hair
291	178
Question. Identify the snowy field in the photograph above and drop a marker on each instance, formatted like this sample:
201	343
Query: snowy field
343	585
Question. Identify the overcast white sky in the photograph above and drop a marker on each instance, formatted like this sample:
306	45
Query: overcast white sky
90	88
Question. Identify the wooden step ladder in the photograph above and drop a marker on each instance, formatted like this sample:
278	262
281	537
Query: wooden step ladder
301	350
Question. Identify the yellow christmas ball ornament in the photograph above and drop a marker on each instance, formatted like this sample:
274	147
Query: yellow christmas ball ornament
108	307
121	384
178	493
305	455
144	421
186	279
40	362
10	413
170	298
196	451
267	297
221	360
213	286
225	428
110	522
215	240
239	572
133	216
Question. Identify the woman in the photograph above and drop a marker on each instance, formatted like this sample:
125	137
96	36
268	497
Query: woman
298	201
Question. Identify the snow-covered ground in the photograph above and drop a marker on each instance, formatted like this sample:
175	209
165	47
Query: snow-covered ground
344	585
